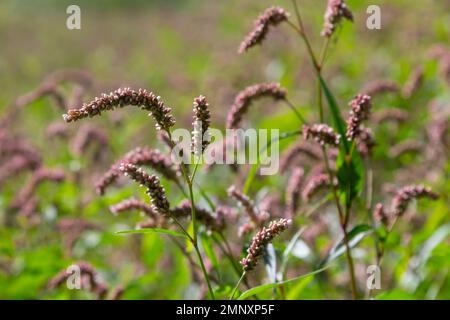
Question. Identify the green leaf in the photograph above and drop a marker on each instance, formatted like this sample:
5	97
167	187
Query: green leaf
209	250
256	290
432	242
381	233
153	230
355	235
350	173
350	169
338	121
289	248
189	244
295	292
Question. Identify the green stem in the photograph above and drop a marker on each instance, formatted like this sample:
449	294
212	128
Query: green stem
195	168
193	213
381	249
237	285
324	52
297	113
302	33
193	239
324	200
343	217
228	255
206	197
205	273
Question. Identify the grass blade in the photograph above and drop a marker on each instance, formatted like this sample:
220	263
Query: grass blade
256	290
153	230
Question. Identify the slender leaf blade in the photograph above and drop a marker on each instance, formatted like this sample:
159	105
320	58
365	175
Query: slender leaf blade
268	286
338	121
153	230
355	235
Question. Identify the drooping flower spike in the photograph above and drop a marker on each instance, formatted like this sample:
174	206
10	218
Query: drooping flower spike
293	190
250	209
380	86
245	98
322	134
122	97
201	123
360	111
271	17
315	184
141	157
133	204
408	193
335	12
261	240
160	204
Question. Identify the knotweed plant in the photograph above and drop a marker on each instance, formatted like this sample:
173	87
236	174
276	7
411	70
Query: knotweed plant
160	206
329	166
353	141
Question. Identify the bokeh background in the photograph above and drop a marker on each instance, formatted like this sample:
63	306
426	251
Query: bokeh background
180	49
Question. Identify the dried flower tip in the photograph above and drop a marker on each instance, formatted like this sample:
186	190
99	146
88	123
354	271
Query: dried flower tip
406	194
133	204
293	190
380	215
271	17
247	204
322	134
156	192
360	111
315	184
392	114
335	12
200	138
140	157
261	240
413	84
125	96
380	86
245	98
